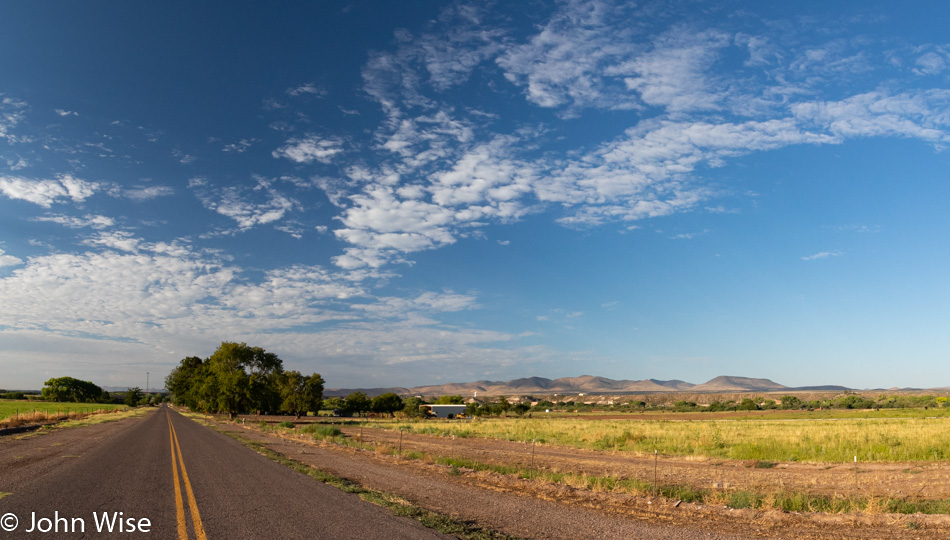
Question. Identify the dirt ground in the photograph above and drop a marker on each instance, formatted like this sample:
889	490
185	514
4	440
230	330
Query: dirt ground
905	480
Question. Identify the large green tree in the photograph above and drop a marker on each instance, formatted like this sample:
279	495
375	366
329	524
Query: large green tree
246	378
70	389
236	378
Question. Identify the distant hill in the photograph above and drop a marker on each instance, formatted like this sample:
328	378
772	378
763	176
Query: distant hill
725	383
371	392
585	384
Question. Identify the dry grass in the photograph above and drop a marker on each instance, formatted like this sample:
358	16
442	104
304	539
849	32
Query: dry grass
766	440
65	417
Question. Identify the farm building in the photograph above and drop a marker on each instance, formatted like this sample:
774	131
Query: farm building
445	411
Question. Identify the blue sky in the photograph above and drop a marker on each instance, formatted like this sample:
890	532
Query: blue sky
420	192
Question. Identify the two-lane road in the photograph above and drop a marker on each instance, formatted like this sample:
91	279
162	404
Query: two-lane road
175	479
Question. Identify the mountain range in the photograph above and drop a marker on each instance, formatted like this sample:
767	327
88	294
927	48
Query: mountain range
585	384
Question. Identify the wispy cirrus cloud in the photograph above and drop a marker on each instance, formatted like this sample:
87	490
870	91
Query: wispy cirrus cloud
89	220
821	255
12	112
307	89
143	193
441	174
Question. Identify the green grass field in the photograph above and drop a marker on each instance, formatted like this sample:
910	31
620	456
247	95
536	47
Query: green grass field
10	409
887	436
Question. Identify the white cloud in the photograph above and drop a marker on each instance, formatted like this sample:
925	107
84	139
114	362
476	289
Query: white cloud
675	74
158	307
11	114
63	112
15	164
89	220
310	149
47	192
451	56
930	63
234	203
563	64
922	115
146	193
9	260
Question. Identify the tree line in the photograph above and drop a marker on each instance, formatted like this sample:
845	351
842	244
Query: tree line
70	389
239	378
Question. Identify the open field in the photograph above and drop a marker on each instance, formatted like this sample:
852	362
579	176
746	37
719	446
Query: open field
786	460
875	437
14	413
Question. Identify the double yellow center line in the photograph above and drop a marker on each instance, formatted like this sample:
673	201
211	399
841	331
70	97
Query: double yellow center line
192	503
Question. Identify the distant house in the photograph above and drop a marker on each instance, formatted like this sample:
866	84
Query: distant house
445	411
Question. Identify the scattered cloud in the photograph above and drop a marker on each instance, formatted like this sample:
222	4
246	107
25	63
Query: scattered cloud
309	149
248	208
12	112
144	193
47	192
931	63
63	112
239	147
88	220
308	89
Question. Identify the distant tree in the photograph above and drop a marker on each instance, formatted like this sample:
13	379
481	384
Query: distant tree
133	396
521	408
70	389
301	394
387	403
334	404
791	402
747	405
357	403
450	400
411	407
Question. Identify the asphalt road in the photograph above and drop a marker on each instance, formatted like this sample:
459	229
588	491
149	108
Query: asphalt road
165	476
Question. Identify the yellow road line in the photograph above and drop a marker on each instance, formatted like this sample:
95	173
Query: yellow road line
192	503
182	526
